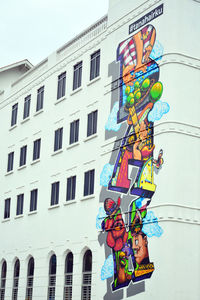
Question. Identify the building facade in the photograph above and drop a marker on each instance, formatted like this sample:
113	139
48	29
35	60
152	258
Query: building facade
100	162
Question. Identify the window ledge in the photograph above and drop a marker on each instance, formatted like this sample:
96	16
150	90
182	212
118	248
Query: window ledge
32	212
54	206
22	167
25	120
5	220
60	100
76	90
12	127
57	152
35	161
19	216
73	145
38	112
90	137
68	202
88	197
94	80
8	173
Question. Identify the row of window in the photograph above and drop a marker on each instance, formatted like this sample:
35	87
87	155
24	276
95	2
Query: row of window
68	278
58	140
61	89
88	189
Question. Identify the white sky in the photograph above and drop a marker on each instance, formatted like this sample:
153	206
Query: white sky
33	29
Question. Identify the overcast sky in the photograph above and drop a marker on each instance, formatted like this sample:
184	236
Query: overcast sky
33	29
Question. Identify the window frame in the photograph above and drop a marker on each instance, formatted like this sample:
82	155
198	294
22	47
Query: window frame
89	182
20	204
71	188
61	85
92	123
10	163
33	200
23	156
55	190
30	278
7	208
77	76
95	64
74	132
3	280
14	114
86	278
16	275
40	98
36	149
52	279
68	277
58	139
27	105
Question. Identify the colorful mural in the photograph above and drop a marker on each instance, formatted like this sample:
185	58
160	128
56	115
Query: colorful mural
139	105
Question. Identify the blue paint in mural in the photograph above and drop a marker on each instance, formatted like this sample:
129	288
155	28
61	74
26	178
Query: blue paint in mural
139	202
101	215
150	225
106	174
160	108
107	269
111	124
157	51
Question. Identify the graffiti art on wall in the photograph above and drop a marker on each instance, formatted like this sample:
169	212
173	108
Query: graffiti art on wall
138	107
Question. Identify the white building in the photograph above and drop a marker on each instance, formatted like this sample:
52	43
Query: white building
87	124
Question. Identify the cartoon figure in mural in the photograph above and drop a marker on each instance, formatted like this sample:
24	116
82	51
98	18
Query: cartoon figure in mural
140	89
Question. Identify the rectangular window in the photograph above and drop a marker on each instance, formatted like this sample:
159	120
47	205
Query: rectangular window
14	114
40	98
58	139
95	65
77	75
61	85
74	132
20	204
23	151
27	103
55	193
92	123
36	149
89	183
33	200
10	161
71	188
7	209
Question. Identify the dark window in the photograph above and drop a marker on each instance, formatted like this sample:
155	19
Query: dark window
74	132
55	193
7	209
30	274
10	161
61	85
3	280
20	204
95	65
27	103
87	276
14	114
58	139
92	123
71	188
40	98
23	151
36	149
89	183
77	75
52	277
16	280
33	200
68	277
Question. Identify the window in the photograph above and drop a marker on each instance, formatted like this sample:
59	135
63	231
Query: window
40	98
10	161
7	210
68	277
14	114
36	149
16	280
89	183
61	85
87	276
27	102
33	200
55	193
29	284
74	132
77	75
92	123
23	151
3	280
58	139
71	188
95	65
52	278
20	204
